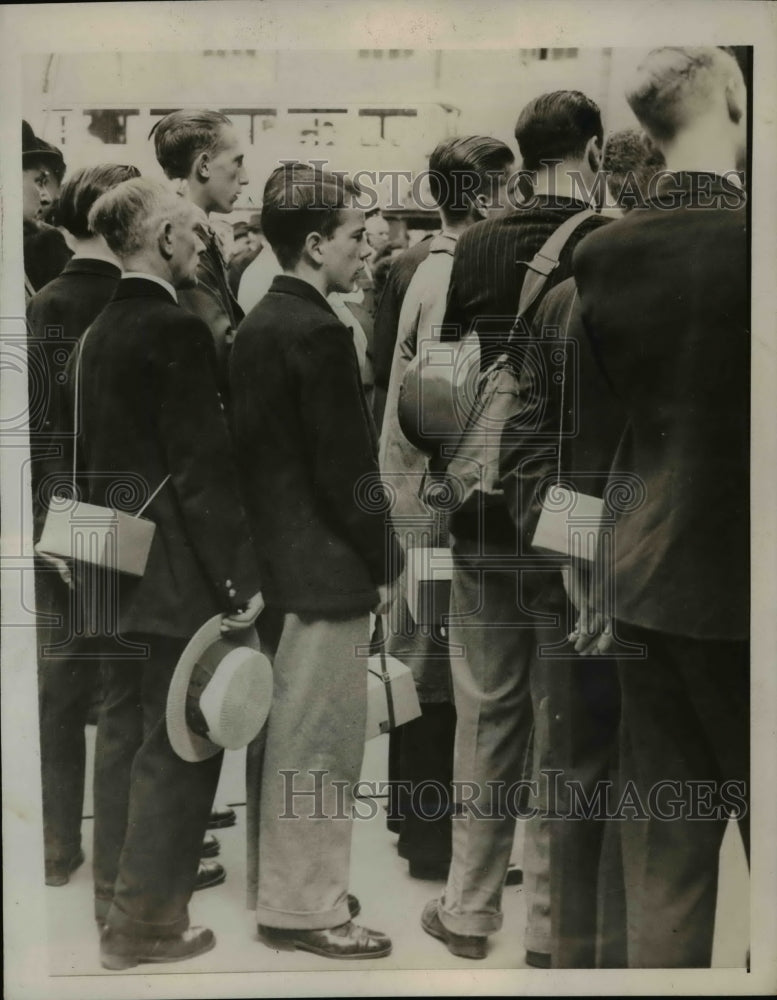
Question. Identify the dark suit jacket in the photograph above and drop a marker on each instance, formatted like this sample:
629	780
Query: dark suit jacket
665	297
568	430
310	456
45	253
57	316
150	406
386	324
484	293
571	424
212	300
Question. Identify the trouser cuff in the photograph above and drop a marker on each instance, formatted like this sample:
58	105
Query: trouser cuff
267	916
120	921
470	924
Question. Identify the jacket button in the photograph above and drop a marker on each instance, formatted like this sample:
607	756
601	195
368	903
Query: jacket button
232	592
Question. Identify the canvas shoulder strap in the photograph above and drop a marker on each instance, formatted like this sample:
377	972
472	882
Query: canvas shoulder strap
546	260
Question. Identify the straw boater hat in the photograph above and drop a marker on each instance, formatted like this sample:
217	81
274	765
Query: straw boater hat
220	693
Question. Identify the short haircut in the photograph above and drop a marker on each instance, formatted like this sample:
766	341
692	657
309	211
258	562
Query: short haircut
82	190
129	214
672	86
629	163
181	136
557	126
471	163
300	199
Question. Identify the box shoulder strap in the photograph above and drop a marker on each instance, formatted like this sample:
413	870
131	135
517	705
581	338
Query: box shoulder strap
546	260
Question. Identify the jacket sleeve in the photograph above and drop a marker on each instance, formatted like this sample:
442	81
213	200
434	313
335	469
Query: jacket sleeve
341	448
200	458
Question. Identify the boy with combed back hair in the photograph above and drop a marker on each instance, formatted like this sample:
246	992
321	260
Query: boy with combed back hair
319	516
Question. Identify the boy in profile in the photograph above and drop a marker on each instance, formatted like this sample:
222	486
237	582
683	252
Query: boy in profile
309	454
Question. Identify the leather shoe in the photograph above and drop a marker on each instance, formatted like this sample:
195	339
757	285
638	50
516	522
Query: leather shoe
463	945
208	874
58	873
514	876
123	951
538	959
221	816
349	941
211	848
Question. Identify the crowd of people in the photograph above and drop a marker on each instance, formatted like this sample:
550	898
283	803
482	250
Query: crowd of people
251	409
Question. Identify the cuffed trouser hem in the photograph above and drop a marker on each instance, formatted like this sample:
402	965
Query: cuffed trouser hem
470	924
297	921
119	921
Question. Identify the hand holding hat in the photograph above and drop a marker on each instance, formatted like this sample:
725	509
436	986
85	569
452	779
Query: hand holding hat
242	619
221	691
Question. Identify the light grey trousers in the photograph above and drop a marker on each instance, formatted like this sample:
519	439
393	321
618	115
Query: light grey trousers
301	772
492	647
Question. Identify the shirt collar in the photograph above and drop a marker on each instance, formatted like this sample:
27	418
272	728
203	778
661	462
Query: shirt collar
152	277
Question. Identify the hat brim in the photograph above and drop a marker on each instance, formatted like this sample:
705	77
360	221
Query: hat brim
190	746
49	157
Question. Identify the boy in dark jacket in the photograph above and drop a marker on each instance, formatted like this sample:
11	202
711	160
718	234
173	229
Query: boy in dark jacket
319	517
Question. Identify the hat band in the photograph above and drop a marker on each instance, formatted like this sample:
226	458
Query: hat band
206	666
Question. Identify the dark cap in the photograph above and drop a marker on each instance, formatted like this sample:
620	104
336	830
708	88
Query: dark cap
35	150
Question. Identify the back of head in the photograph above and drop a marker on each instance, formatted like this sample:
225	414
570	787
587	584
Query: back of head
463	167
82	190
630	162
129	215
557	127
674	87
300	199
181	136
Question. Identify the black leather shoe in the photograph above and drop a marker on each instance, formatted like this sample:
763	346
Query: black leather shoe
349	941
209	873
538	959
221	816
514	876
463	945
122	951
211	848
59	873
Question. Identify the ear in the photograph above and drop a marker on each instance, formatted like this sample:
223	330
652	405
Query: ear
735	100
593	153
312	248
479	206
201	166
165	239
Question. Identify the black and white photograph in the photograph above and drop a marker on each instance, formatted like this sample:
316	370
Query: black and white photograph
387	451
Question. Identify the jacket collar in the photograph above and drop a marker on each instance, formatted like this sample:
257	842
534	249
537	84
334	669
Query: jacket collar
444	242
287	284
89	265
141	288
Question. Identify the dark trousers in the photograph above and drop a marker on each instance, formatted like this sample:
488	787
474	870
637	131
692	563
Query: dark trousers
425	801
151	807
686	719
68	671
421	751
577	706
